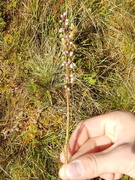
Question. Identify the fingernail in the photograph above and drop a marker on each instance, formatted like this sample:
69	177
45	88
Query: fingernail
74	170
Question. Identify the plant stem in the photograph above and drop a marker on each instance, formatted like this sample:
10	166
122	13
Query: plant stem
67	123
68	109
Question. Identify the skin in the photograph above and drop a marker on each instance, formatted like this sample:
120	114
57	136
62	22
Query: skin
101	146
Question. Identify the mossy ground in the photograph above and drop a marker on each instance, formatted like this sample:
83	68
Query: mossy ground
33	107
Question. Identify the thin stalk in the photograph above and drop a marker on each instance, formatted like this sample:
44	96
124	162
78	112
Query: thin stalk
68	108
67	123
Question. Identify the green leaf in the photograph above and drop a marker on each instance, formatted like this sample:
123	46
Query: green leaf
32	88
92	81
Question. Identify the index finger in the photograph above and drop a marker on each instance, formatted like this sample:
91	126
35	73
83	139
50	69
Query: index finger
89	128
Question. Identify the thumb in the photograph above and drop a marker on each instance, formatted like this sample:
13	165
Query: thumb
113	160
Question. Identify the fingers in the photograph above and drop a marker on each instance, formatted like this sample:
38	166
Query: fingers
112	160
112	125
87	129
118	176
111	176
91	128
92	145
108	176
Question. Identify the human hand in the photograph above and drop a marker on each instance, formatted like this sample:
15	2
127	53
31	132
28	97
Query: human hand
102	146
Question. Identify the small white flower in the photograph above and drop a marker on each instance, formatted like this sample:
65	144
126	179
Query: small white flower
72	65
71	76
71	54
71	80
68	43
61	30
66	37
66	22
65	13
62	39
67	77
64	63
65	52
